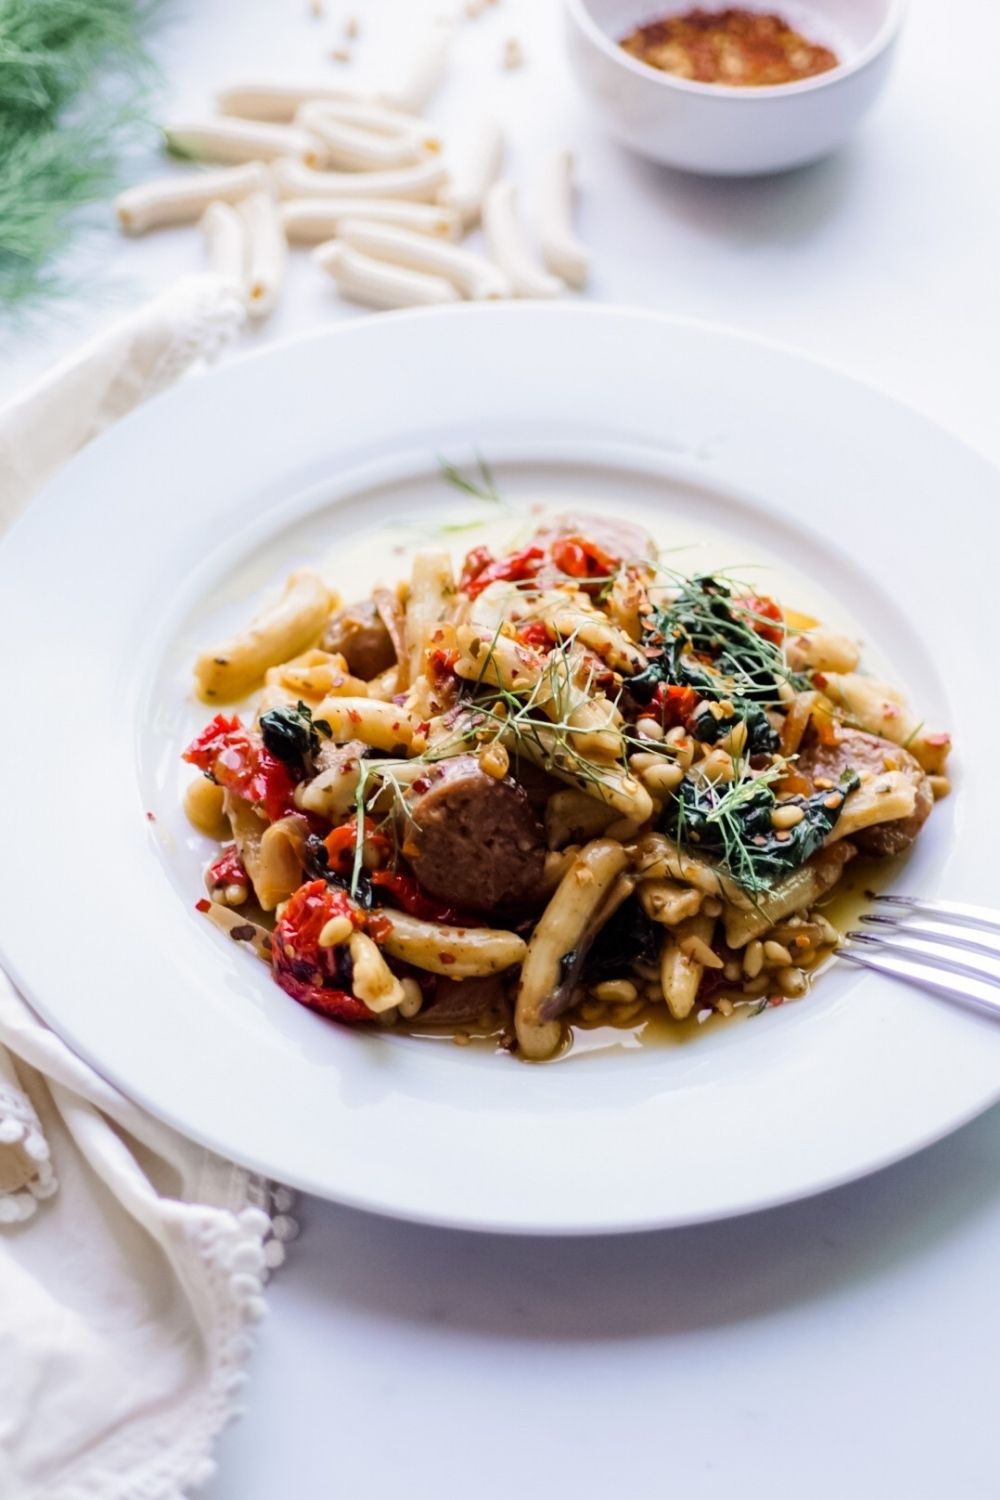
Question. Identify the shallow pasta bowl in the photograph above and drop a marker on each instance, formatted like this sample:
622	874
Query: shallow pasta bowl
166	531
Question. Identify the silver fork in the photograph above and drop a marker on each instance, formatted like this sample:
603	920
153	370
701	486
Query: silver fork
948	947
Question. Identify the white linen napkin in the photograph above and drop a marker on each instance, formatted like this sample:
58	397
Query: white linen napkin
131	1260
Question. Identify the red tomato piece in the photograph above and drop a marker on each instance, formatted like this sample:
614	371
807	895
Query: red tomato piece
761	609
515	568
535	633
312	975
228	869
675	704
408	895
239	761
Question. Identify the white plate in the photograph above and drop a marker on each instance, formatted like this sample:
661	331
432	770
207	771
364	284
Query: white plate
177	518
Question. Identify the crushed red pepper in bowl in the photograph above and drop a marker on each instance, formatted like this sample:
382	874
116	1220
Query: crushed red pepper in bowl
739	48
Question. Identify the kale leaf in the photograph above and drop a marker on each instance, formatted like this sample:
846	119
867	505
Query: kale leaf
291	736
733	826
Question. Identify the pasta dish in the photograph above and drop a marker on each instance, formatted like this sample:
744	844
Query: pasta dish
558	787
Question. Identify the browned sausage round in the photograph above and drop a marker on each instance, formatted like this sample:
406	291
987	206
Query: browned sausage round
866	752
359	635
472	841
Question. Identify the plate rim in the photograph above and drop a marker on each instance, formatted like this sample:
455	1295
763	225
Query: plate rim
374	1203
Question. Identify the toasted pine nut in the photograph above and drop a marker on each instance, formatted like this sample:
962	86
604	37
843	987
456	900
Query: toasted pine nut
649	729
413	998
662	778
787	816
753	958
495	761
777	953
792	982
335	932
615	991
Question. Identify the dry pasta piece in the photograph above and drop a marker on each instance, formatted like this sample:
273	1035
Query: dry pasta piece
266	253
259	100
309	221
473	275
232	140
225	237
380	119
357	149
477	170
456	952
563	253
376	283
182	200
286	628
508	248
579	896
421	183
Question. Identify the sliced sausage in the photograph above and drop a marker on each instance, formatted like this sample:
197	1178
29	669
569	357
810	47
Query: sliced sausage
457	1003
866	752
359	634
474	842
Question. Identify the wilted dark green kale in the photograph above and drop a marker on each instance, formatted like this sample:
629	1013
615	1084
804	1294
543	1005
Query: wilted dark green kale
732	825
761	738
705	639
317	866
627	938
292	736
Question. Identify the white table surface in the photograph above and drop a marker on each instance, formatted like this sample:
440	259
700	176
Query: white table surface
843	1344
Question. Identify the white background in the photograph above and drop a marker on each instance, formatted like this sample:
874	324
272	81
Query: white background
846	1344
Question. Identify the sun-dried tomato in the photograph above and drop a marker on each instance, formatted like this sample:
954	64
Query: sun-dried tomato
313	975
239	761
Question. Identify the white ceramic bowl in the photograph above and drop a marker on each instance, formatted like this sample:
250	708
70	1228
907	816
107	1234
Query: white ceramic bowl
717	129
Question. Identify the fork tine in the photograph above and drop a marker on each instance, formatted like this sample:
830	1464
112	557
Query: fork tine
959	911
940	954
929	927
969	992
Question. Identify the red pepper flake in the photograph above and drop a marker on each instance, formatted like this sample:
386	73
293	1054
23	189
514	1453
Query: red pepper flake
203	905
734	47
150	817
447	958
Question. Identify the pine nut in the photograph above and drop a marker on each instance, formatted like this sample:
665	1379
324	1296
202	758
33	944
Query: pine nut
413	998
663	777
777	953
615	991
336	931
649	729
495	761
732	970
787	816
753	958
792	981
